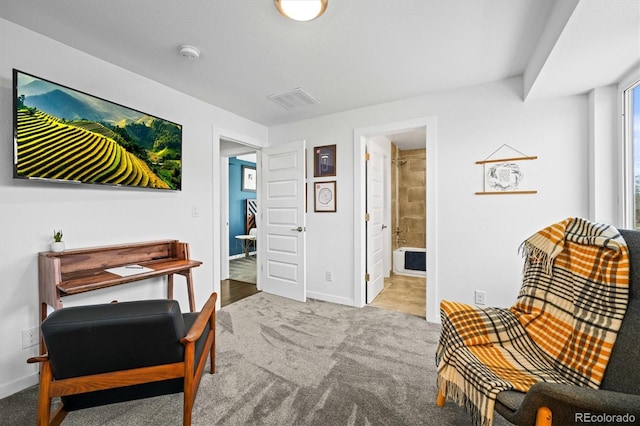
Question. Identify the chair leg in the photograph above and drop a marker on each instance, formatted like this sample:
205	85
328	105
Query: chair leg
58	416
441	399
45	418
212	351
187	406
44	400
543	417
212	355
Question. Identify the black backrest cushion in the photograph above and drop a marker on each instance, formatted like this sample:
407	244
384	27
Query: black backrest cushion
623	371
102	338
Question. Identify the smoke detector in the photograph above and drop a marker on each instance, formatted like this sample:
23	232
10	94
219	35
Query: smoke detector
190	52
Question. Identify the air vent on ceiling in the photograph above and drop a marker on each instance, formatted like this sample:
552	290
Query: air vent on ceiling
294	98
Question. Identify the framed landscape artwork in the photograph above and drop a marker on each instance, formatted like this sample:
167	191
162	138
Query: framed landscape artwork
65	135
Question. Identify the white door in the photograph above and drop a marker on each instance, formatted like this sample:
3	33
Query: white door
282	230
375	211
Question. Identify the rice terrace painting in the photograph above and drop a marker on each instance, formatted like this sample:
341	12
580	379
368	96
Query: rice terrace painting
62	134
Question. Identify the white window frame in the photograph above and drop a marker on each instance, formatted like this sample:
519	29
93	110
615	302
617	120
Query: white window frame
627	186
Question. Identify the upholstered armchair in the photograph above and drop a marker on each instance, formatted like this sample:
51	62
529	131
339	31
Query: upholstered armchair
567	351
619	393
102	354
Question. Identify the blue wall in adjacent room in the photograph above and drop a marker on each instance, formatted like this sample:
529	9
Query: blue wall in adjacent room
237	203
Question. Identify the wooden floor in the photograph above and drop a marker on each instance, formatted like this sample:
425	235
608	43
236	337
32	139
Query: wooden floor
232	291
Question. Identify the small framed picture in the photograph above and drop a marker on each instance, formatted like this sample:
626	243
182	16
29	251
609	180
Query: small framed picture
325	196
249	179
324	161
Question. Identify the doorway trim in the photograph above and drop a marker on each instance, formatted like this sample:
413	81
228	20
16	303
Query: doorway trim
360	136
219	180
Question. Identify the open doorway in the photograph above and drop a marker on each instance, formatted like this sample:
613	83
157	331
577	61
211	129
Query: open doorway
405	206
428	140
396	225
239	246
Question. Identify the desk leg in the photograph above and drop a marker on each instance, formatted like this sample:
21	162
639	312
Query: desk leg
43	316
170	286
44	311
189	278
192	300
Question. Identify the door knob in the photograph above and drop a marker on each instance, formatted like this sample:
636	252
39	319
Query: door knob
384	226
299	229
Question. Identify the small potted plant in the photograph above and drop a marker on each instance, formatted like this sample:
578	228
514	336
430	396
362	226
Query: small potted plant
57	245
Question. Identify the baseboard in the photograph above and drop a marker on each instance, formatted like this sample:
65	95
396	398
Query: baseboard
241	255
22	383
330	298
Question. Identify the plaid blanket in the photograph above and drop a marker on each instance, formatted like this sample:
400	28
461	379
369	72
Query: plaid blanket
561	329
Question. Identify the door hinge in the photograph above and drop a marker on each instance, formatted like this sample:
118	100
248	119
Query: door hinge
367	277
367	156
367	217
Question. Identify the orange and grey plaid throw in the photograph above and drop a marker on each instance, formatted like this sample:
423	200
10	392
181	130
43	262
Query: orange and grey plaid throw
561	329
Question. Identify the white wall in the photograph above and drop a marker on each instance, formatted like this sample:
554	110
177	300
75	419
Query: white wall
94	216
604	155
478	236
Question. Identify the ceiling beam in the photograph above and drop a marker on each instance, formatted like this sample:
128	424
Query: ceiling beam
557	22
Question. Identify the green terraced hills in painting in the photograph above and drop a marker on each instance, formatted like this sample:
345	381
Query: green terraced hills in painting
50	148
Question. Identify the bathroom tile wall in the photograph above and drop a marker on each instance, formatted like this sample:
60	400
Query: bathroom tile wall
411	167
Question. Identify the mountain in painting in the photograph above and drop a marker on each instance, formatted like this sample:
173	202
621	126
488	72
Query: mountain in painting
62	105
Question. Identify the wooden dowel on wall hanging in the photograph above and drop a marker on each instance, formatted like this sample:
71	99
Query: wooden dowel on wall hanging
502	160
506	192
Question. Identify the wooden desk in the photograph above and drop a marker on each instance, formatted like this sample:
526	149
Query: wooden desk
81	270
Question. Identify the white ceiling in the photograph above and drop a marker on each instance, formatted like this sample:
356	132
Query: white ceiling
359	53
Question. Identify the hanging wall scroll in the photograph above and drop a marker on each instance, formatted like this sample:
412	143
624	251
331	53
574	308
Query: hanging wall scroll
507	175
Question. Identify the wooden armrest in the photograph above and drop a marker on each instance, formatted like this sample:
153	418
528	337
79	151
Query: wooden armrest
202	320
41	358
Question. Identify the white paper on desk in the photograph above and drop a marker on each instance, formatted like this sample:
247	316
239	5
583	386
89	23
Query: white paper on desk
128	270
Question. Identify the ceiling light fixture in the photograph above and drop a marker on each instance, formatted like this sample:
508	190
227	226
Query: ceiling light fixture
190	52
301	10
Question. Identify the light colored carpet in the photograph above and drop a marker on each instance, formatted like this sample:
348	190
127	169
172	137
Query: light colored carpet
281	362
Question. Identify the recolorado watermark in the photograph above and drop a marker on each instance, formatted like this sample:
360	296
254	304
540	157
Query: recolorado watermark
604	418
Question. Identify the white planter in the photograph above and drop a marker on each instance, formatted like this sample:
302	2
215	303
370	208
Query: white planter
57	246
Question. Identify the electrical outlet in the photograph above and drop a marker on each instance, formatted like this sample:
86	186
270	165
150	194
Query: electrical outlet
328	276
480	297
30	338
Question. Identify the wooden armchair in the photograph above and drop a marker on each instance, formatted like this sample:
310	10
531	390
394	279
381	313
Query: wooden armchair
102	354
